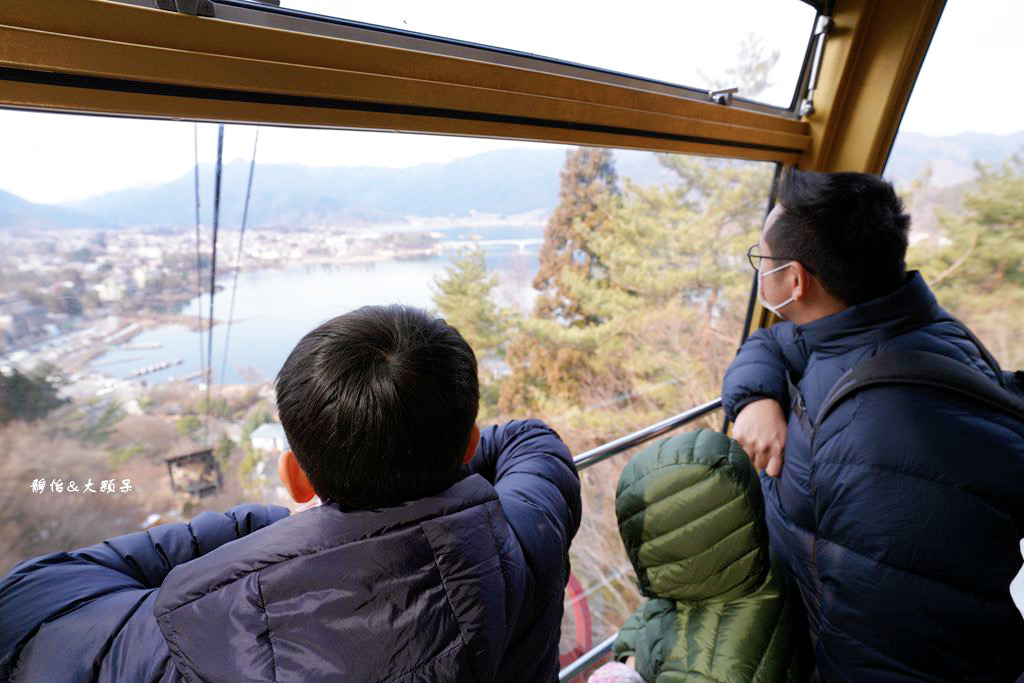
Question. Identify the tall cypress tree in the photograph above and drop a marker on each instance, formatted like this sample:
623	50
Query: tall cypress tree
588	179
551	356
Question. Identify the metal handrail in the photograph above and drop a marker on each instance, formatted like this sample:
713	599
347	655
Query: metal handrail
603	452
596	455
588	659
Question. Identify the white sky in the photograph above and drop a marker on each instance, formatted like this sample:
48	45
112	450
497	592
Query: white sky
964	86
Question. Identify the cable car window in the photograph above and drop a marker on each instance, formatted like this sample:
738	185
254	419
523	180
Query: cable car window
961	171
678	43
601	289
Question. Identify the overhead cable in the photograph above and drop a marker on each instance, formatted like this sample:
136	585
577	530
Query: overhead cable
213	276
238	257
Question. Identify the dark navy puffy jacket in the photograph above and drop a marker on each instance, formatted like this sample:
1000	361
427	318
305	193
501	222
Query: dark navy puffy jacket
901	529
466	585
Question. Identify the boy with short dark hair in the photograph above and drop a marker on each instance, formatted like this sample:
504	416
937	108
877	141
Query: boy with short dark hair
400	399
440	552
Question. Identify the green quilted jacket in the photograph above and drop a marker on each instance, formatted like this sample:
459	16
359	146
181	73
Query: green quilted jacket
691	516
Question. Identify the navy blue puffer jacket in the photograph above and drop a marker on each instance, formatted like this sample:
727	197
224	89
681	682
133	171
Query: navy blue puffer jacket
466	585
901	529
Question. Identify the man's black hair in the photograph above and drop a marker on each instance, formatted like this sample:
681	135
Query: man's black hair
848	228
378	405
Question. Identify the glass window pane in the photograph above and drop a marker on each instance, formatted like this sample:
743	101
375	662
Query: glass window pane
602	290
960	167
687	43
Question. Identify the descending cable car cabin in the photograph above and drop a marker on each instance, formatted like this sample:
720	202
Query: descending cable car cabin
191	185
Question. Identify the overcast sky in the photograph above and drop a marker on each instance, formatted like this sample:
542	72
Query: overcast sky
966	84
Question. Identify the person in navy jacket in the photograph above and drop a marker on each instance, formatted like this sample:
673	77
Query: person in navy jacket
900	526
440	552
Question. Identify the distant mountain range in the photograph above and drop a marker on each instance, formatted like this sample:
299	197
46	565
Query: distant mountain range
951	157
18	213
502	182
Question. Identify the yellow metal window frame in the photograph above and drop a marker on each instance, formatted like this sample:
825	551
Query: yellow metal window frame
106	57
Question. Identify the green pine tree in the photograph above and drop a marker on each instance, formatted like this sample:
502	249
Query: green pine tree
29	396
465	298
978	273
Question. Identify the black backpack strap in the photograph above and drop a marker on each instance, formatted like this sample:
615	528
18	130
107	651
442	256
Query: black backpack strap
1014	381
986	355
920	368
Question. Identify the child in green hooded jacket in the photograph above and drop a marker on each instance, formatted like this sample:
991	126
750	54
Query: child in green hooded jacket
691	517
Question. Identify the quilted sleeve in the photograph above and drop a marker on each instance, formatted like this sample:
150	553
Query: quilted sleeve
46	597
535	478
757	372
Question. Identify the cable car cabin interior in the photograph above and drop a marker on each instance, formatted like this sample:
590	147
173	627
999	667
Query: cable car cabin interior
189	186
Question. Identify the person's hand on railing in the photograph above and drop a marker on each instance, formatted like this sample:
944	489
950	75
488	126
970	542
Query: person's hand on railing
761	429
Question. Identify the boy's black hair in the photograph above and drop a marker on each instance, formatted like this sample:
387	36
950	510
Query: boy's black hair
848	228
378	405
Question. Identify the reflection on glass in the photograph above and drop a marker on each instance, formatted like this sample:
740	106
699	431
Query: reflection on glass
685	43
960	169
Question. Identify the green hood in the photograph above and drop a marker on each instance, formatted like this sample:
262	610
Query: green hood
691	516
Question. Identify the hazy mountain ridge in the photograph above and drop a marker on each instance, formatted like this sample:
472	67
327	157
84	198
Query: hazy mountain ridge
16	212
951	157
500	182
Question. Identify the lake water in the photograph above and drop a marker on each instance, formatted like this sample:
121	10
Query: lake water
275	308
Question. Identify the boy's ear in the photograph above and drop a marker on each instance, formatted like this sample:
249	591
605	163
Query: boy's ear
474	439
293	478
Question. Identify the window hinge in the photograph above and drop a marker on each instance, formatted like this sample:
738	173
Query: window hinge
821	29
722	96
197	8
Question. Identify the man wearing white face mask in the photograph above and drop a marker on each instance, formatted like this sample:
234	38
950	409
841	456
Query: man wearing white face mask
899	516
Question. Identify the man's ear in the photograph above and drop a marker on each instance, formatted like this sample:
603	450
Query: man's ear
801	281
474	440
293	478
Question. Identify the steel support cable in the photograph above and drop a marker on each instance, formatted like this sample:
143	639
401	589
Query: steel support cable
238	258
213	277
199	257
